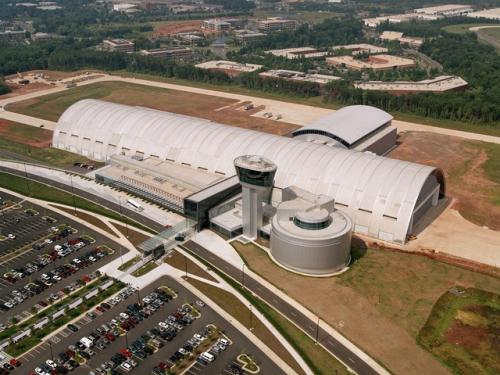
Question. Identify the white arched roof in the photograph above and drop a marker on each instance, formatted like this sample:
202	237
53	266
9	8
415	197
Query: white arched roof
378	193
349	124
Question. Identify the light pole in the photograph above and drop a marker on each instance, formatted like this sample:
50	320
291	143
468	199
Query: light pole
73	193
243	275
51	352
317	331
251	317
27	180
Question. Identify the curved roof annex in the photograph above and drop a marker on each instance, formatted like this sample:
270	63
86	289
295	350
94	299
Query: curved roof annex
378	193
349	124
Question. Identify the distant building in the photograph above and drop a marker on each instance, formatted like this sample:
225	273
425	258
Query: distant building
399	18
276	24
437	85
297	53
12	36
231	68
492	14
190	37
376	62
248	36
126	8
41	36
395	35
357	49
181	53
118	45
290	75
215	24
447	10
421	14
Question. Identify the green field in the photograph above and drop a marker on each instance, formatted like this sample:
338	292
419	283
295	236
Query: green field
50	156
462	331
463	28
490	35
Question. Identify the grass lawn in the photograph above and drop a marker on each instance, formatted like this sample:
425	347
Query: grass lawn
463	28
491	36
89	218
462	331
145	269
41	191
32	144
179	261
135	237
383	293
317	101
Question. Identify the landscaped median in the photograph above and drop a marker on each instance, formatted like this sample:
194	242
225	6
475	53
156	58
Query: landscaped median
144	269
129	263
21	337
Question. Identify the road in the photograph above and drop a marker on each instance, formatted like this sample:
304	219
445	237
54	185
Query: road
309	326
293	314
293	113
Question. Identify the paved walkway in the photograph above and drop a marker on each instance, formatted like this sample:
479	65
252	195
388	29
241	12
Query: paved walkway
111	269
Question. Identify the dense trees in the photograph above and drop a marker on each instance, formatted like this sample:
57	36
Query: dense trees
233	4
4	89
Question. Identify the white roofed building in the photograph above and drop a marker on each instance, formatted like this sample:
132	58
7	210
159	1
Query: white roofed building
385	198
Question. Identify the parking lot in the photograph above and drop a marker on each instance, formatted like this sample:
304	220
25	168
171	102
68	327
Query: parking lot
42	274
156	335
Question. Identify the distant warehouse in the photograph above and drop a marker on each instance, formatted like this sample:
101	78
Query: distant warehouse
492	14
181	53
276	24
231	68
12	36
118	45
290	75
376	62
436	85
297	53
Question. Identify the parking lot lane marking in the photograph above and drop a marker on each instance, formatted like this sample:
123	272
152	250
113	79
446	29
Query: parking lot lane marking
331	342
293	314
350	359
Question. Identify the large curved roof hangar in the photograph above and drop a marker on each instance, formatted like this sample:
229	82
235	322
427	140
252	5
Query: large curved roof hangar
383	197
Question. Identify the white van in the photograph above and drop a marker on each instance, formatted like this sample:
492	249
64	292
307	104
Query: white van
87	342
207	356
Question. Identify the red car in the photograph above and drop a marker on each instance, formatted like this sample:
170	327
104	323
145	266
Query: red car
100	309
110	336
127	353
14	362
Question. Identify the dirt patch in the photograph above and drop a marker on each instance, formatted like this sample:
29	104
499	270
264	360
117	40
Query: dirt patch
25	134
18	90
175	27
135	237
467	336
461	161
179	261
